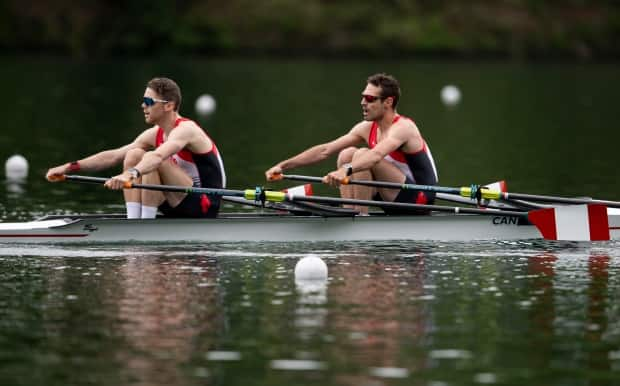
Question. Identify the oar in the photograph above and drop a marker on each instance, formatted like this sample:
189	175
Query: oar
470	192
276	196
583	222
249	194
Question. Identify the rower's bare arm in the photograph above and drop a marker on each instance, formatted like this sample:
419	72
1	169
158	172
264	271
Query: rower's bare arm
397	137
102	160
317	153
181	137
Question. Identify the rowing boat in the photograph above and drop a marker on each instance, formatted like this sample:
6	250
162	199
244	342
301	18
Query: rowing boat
276	227
301	218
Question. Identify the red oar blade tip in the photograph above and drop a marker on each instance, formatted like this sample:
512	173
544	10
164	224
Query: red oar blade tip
572	222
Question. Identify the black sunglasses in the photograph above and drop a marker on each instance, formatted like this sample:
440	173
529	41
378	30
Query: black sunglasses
151	101
370	98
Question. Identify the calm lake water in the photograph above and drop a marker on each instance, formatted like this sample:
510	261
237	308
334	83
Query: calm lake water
431	314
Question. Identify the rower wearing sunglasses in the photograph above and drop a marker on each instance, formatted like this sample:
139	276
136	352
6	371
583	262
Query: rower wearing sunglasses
173	151
395	152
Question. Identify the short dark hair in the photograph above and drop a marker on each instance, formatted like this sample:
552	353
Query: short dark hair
167	89
389	86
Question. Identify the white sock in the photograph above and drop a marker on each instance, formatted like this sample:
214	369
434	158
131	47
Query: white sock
149	211
134	209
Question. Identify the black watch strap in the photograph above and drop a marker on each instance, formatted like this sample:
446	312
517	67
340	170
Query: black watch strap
348	168
135	173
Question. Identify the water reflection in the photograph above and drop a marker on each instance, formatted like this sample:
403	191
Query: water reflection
311	284
15	187
372	318
507	314
560	319
597	323
151	314
167	310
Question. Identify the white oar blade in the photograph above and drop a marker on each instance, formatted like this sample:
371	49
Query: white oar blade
497	186
300	190
572	222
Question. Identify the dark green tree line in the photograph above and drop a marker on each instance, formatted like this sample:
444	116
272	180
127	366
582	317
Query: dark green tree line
504	28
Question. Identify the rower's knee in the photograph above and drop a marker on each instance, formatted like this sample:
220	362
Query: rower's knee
359	152
132	157
346	156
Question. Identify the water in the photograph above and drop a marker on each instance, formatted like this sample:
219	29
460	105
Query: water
427	314
421	314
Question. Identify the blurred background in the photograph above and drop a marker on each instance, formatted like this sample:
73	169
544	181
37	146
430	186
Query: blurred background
515	29
515	90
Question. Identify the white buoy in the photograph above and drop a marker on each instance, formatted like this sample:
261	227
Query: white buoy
205	105
311	267
450	95
311	284
16	167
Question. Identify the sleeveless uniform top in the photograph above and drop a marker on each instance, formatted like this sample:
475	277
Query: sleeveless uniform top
205	169
418	166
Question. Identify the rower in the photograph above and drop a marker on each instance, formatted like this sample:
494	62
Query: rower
396	152
173	151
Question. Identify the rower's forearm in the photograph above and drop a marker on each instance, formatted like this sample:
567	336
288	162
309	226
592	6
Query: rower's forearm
100	161
308	157
149	162
366	161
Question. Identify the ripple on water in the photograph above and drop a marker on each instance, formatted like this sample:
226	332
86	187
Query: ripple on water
297	365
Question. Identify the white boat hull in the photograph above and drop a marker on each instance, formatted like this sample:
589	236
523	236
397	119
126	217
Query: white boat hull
275	228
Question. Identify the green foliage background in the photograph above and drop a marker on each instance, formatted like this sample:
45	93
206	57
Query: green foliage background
461	28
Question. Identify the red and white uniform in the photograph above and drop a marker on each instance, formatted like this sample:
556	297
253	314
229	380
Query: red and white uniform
418	167
205	169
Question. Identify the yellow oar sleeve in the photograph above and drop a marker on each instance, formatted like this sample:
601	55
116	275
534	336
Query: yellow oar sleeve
270	196
486	193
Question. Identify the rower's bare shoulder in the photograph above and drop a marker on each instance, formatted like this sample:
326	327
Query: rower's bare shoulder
362	128
194	136
406	127
147	138
188	125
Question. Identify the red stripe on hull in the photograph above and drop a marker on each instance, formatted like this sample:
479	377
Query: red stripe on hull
544	219
599	223
43	235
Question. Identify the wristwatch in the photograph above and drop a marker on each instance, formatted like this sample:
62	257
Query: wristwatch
135	173
348	168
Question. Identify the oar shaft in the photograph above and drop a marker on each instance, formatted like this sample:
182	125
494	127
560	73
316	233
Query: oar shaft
399	205
384	184
248	194
273	196
468	192
559	200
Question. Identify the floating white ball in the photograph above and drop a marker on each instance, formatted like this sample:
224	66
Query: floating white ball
311	268
16	167
205	104
450	95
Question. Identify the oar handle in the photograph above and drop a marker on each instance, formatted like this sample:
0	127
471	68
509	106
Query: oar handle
276	177
56	177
